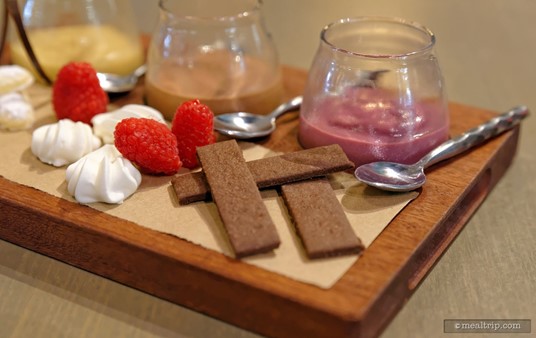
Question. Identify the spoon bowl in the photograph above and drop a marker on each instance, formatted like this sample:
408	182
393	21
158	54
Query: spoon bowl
244	125
391	176
402	177
114	83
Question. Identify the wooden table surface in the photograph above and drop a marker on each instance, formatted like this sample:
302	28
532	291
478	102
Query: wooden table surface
487	49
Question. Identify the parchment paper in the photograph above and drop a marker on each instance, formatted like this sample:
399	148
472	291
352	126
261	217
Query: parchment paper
155	206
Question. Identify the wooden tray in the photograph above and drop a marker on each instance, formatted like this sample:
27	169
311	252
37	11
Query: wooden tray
361	304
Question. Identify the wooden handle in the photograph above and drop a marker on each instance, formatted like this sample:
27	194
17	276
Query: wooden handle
3	33
13	9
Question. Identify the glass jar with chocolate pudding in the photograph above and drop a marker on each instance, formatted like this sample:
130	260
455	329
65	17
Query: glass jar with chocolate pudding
219	53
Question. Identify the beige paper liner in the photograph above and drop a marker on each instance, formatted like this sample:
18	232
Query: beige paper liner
155	206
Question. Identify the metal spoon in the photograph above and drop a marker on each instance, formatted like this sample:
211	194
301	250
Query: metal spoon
114	83
400	177
244	125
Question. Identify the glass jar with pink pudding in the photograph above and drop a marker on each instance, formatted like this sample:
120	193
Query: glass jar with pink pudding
375	88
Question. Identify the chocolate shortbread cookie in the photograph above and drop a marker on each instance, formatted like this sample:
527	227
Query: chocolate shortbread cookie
244	215
270	171
320	220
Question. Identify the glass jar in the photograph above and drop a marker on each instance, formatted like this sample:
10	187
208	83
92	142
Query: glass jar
216	51
101	32
375	88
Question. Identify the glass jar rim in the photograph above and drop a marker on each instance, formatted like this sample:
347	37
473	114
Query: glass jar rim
395	20
247	12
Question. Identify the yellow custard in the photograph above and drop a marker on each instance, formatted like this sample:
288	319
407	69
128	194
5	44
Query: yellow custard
105	47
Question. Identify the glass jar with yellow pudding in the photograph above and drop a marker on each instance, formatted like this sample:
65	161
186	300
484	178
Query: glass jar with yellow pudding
103	33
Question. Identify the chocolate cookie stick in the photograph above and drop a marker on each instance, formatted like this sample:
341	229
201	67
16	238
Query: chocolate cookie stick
271	171
320	219
244	215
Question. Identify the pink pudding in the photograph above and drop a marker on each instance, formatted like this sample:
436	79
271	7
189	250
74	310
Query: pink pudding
370	124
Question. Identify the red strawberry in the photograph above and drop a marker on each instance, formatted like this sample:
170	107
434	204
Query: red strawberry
76	93
149	144
193	125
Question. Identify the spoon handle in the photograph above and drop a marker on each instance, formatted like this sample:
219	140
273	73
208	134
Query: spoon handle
140	71
290	105
475	136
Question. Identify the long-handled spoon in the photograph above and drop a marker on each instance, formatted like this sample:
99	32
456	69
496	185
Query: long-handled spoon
401	177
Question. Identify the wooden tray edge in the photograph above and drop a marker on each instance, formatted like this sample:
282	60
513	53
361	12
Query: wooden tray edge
432	248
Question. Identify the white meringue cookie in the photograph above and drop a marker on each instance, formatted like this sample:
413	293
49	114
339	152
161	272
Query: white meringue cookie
104	124
103	175
14	78
16	113
63	142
